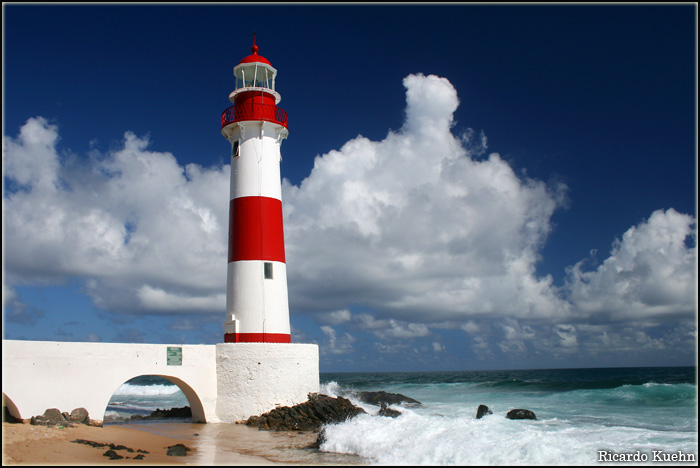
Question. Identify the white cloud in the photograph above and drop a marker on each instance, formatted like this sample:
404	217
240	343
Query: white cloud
335	318
651	273
334	344
567	334
390	328
8	294
159	299
513	330
413	227
470	327
128	221
16	311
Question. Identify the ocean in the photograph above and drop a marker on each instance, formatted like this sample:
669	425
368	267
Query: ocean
584	417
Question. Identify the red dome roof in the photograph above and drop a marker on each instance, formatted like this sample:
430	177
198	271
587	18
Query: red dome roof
254	57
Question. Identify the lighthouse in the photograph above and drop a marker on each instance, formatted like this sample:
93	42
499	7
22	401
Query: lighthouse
257	305
256	368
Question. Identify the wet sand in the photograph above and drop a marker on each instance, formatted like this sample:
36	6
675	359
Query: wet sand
221	444
24	444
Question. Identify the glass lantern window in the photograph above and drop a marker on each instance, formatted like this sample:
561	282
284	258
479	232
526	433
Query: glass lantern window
255	76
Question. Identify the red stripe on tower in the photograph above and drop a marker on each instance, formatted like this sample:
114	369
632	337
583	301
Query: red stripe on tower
257	338
255	229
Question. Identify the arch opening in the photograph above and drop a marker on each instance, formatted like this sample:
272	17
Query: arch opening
10	412
152	397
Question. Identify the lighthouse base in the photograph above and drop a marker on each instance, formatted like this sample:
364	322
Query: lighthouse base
253	378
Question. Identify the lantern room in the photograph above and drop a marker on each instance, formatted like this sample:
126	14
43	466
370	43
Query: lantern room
255	73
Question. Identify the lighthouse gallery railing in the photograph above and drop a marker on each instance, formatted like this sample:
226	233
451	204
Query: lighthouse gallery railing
254	111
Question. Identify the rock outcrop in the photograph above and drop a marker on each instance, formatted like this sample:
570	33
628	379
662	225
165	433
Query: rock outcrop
388	412
51	417
183	412
54	417
112	448
377	398
79	416
319	409
112	455
177	450
520	414
482	411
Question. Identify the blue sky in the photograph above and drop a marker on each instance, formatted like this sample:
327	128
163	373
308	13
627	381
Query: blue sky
466	186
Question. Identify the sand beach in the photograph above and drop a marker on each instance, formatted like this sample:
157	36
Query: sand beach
24	444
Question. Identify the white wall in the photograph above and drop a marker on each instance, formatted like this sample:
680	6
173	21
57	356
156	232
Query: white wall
37	375
269	375
223	383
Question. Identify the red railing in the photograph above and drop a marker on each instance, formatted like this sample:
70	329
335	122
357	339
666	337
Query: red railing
254	111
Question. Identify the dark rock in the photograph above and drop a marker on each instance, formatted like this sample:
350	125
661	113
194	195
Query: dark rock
120	447
88	442
520	414
112	447
139	457
53	414
482	411
388	412
321	438
308	416
177	450
54	417
112	455
184	412
51	417
79	416
377	398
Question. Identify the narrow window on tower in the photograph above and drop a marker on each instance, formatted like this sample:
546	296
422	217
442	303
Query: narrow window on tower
234	149
268	270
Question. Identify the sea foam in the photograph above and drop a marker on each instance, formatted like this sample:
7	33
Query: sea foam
147	390
572	425
415	439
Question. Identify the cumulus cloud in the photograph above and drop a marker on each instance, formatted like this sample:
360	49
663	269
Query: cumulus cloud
651	273
414	228
147	233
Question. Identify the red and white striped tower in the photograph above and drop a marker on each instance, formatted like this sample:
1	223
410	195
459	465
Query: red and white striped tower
257	307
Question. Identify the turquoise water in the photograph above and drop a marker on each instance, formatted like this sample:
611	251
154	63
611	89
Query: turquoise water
580	413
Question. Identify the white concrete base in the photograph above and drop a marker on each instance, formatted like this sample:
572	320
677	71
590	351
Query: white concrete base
254	378
224	382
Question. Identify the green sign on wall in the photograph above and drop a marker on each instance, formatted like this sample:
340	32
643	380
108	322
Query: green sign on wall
174	356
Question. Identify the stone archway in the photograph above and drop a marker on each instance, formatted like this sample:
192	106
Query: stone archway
193	400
